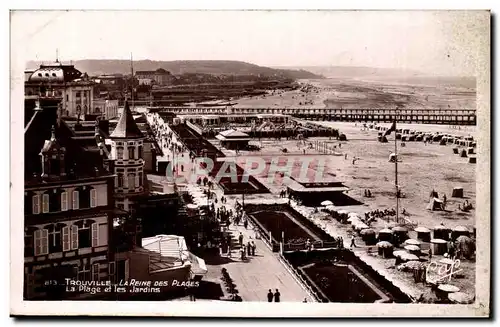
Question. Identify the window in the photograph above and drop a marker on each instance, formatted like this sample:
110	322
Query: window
140	179
74	237
67	97
95	271
45	205
119	153
66	240
41	242
140	152
131	152
55	244
111	271
103	234
93	198
36	204
76	200
95	234
131	181
78	94
84	236
84	273
28	244
120	180
64	201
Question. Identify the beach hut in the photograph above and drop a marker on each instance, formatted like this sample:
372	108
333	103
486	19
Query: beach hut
470	150
443	141
398	136
423	234
385	235
455	151
406	131
411	138
419	138
472	160
459	231
441	232
400	234
463	154
404	138
435	204
368	236
474	144
466	246
342	137
458	192
439	246
460	298
385	249
437	138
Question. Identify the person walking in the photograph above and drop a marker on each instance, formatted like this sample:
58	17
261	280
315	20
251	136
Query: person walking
277	296
249	248
353	242
254	247
240	239
246	224
270	296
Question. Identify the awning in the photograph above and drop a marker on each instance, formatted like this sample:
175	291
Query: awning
198	266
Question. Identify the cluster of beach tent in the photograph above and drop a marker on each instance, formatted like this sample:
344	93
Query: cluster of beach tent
200	200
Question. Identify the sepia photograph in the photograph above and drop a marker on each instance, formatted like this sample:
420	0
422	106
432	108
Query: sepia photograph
250	163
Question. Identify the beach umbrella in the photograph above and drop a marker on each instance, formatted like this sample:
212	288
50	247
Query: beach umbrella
440	227
327	203
399	229
367	231
353	219
385	231
385	244
412	248
353	214
411	241
448	288
422	230
330	207
360	226
461	298
410	257
461	229
400	253
415	265
438	241
342	212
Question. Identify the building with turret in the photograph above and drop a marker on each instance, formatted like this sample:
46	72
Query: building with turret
127	143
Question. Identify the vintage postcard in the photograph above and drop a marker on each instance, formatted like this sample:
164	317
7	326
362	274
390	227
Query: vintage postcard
250	163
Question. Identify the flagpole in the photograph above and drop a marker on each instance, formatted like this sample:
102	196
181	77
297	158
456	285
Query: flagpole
396	167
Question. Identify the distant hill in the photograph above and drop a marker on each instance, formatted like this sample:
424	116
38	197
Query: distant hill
95	67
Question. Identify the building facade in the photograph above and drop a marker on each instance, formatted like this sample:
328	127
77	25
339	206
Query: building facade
69	211
127	144
65	83
158	77
108	108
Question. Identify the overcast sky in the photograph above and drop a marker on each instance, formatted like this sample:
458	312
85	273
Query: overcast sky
445	43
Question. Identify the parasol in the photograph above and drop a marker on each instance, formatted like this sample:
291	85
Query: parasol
410	257
367	231
412	248
327	203
440	227
460	298
422	230
411	241
342	212
385	231
461	229
400	253
353	215
448	288
438	241
385	244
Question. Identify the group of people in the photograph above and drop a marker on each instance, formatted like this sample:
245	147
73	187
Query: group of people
376	214
368	193
276	296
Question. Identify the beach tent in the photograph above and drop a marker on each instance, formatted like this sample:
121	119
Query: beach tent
470	151
472	160
458	192
435	204
443	141
423	234
383	139
463	154
342	137
392	157
455	150
466	246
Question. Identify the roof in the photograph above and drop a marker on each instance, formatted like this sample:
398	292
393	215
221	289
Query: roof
80	161
231	133
55	72
127	127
